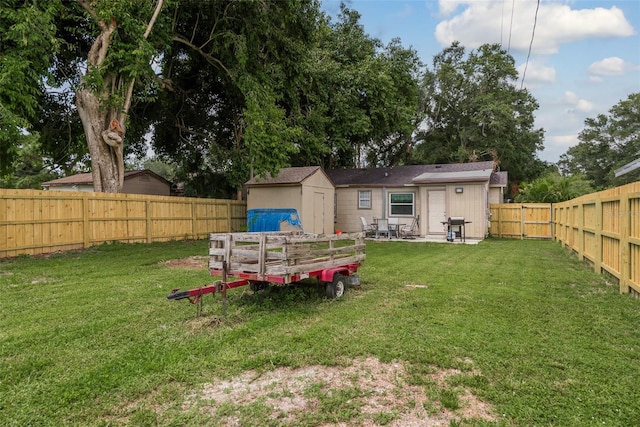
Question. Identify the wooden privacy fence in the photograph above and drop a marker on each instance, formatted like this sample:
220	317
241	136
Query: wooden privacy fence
522	220
604	230
35	222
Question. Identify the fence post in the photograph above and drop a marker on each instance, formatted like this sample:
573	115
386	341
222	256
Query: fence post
580	224
597	262
625	231
147	206
229	228
194	220
86	238
552	214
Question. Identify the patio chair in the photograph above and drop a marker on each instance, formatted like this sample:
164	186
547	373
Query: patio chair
394	227
410	231
368	229
383	228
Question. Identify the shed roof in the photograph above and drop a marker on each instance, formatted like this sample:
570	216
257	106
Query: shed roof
87	178
287	176
408	175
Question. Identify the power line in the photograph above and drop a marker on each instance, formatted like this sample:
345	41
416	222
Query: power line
513	7
533	32
501	22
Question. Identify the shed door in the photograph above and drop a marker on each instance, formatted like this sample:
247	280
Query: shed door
318	213
437	211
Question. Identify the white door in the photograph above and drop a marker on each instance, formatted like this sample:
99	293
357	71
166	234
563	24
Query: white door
437	211
318	213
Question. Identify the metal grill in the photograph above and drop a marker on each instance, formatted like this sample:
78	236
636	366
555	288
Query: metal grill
455	228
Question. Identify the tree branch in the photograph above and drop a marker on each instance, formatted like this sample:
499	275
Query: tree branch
89	9
153	19
210	58
127	99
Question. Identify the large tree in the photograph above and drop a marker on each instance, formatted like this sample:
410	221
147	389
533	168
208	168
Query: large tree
119	55
222	89
473	110
607	142
231	80
99	50
367	93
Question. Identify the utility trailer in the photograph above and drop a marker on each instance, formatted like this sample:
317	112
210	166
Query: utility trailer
260	259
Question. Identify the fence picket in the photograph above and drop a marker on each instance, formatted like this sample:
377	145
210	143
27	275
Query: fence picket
33	222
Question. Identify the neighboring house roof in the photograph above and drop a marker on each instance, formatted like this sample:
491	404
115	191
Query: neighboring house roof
287	176
415	174
499	179
87	179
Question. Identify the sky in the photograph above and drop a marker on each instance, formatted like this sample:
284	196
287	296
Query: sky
584	54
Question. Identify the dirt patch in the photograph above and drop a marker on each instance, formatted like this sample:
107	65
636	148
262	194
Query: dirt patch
379	391
191	263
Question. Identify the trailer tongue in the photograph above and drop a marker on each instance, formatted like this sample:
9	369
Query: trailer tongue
258	259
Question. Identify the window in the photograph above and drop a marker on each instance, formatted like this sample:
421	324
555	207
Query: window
401	204
364	199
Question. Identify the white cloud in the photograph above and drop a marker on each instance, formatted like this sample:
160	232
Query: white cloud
575	103
612	66
564	140
492	22
536	74
449	6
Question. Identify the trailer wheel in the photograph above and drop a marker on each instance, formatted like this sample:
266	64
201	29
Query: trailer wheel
336	288
258	286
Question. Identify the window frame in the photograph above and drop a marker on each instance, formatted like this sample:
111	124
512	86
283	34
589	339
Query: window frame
361	200
391	204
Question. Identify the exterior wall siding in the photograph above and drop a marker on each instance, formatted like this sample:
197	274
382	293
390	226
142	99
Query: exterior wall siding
472	204
348	214
317	183
145	184
275	197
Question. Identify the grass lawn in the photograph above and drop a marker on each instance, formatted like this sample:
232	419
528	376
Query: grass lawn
88	338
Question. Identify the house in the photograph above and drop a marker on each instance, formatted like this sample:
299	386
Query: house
135	182
433	193
306	189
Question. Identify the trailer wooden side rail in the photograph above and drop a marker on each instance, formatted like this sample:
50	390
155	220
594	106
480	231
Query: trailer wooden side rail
257	259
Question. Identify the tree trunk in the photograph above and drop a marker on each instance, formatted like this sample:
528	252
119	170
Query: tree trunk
104	126
105	144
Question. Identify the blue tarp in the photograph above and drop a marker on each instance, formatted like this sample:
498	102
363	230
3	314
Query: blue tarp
271	218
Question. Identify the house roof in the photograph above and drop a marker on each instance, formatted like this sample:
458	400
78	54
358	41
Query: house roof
287	176
499	178
461	176
415	174
87	179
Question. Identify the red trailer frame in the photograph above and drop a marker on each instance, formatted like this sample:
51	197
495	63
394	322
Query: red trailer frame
334	278
258	259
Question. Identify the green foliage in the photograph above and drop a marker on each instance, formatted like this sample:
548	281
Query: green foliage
607	143
27	38
553	188
368	92
30	168
473	111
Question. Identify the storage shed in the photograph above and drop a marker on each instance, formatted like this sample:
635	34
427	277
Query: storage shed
307	189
